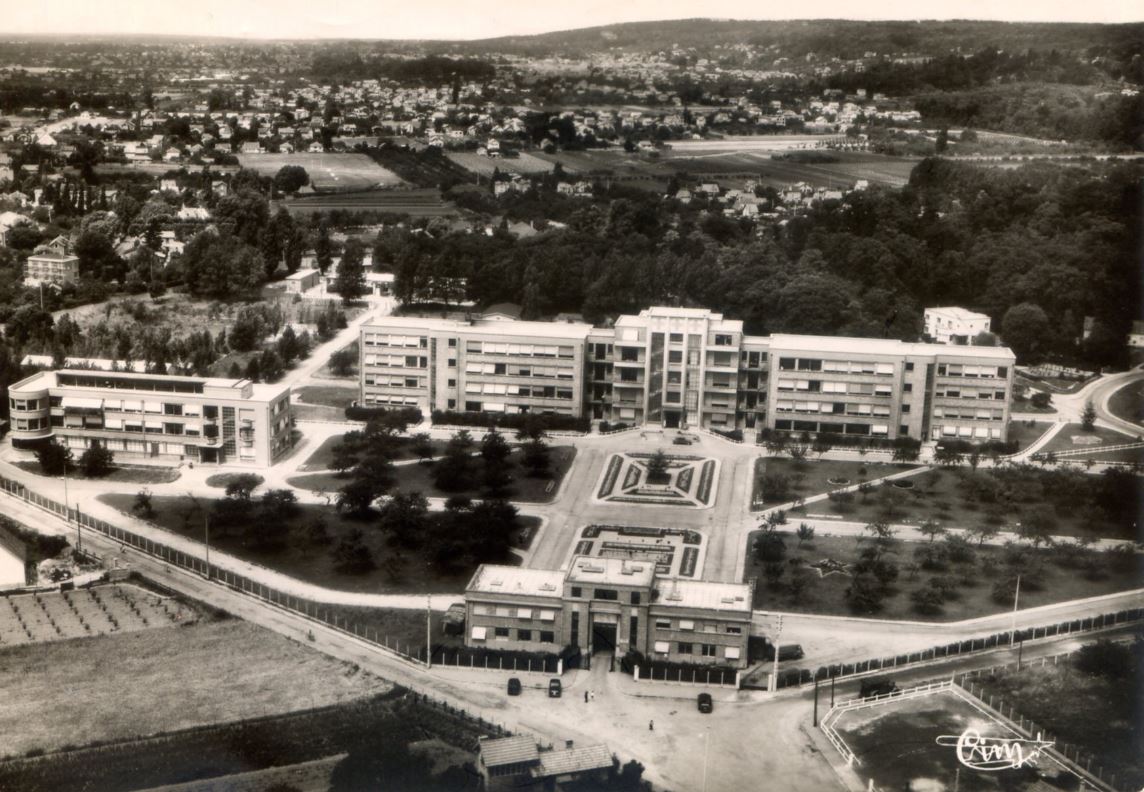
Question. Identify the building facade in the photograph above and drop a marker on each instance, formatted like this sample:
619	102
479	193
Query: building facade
609	603
195	419
954	325
475	366
52	267
683	367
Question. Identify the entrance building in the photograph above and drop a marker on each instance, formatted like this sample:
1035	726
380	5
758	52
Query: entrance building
608	604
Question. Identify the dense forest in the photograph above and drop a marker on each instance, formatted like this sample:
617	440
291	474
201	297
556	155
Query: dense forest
1038	248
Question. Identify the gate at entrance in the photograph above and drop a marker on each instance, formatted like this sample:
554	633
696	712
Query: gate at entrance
671	419
603	638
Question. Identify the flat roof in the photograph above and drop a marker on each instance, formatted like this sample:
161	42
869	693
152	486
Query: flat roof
558	330
301	274
845	345
707	594
501	579
499	751
616	571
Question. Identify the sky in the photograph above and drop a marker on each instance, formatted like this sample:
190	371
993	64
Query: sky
474	19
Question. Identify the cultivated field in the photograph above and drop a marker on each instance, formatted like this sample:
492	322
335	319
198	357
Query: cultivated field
417	202
525	164
334	172
119	687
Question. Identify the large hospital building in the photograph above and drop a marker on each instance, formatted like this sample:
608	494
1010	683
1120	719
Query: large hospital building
197	419
678	367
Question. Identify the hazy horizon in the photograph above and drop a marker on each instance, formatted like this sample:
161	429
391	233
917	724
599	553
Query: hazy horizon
452	20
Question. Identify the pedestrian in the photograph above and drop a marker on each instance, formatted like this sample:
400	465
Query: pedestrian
592	695
585	696
651	725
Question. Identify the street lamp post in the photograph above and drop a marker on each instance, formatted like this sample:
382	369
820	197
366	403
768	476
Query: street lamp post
1016	597
428	631
775	672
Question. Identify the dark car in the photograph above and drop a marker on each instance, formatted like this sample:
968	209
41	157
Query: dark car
681	441
513	686
705	702
786	651
554	688
877	686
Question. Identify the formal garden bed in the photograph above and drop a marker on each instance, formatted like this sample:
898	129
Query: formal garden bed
660	479
319	545
817	575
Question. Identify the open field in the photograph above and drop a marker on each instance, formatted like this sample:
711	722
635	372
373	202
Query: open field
813	478
1127	403
525	164
416	202
1074	438
327	395
896	743
731	166
106	688
334	172
1049	576
395	571
1024	434
1085	709
523	489
322	458
394	718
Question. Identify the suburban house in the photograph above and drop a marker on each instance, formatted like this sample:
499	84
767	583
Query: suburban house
954	325
513	762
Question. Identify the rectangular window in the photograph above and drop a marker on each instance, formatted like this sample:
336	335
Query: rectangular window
547	636
633	629
676	338
734	630
662	647
686	624
635	598
524	635
577	591
684	648
501	632
663	624
708	650
909	366
606	594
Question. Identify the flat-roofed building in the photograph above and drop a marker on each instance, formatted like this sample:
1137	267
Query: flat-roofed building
200	419
609	603
51	267
683	367
953	325
474	366
883	388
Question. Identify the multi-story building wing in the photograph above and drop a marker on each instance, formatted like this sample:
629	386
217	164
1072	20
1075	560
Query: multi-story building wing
479	365
52	267
609	603
953	325
200	419
678	367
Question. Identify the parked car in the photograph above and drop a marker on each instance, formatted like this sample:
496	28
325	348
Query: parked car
705	702
554	688
877	686
786	651
513	686
681	441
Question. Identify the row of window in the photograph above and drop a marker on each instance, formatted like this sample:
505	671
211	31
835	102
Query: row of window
836	408
395	340
969	393
609	595
960	370
877	430
383	381
533	350
375	400
397	361
508	370
509	612
821	386
24	404
980	432
705	650
839	366
689	624
968	415
505	634
538	391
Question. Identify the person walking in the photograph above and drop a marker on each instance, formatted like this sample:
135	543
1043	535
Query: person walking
585	696
651	725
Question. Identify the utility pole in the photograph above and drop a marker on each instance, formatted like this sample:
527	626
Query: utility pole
428	630
1016	596
815	701
775	672
207	542
832	678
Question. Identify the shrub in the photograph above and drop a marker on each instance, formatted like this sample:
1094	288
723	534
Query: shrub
548	422
408	415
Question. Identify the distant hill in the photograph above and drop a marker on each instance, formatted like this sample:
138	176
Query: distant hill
832	37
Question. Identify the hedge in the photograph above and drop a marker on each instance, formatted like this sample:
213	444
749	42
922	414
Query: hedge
550	422
410	415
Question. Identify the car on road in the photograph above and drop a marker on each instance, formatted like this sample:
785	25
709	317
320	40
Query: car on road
513	686
877	686
681	441
705	703
554	688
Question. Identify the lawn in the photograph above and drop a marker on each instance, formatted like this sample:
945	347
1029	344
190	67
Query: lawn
941	494
118	687
1025	433
1127	403
896	743
416	477
327	171
223	480
327	395
1086	710
1046	581
813	478
323	456
123	474
396	571
1074	437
